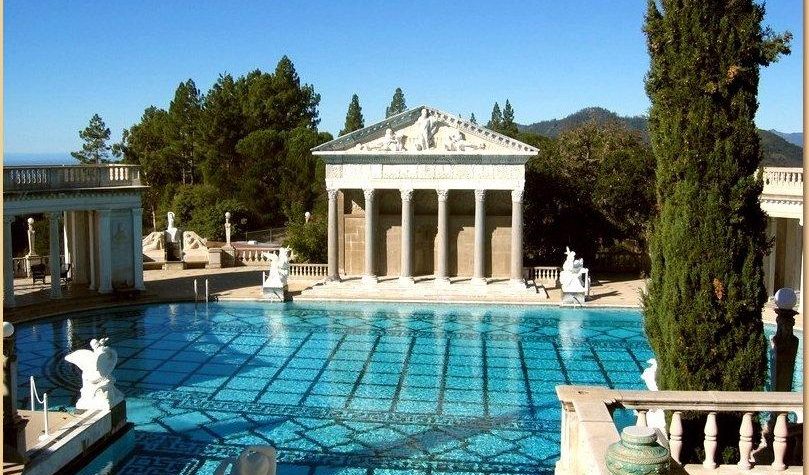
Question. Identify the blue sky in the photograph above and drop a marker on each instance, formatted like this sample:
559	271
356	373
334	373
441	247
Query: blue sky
65	61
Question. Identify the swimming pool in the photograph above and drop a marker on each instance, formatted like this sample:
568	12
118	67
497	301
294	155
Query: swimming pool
367	389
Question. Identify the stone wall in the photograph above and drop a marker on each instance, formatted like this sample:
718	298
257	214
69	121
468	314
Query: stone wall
351	230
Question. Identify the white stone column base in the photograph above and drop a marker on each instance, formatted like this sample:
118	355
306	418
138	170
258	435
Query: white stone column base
517	284
369	280
406	281
480	281
441	282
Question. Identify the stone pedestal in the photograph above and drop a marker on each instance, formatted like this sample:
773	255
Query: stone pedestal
13	424
784	345
214	258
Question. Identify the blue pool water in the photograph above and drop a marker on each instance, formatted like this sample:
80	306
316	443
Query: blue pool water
366	389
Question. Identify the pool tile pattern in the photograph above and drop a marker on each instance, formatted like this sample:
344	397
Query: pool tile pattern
344	389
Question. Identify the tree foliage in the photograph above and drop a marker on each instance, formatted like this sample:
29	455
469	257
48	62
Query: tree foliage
597	177
95	148
508	126
354	119
705	295
397	104
496	121
243	145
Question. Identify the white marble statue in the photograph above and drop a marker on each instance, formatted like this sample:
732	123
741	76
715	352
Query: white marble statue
389	143
98	391
171	231
425	130
574	279
655	418
276	281
256	460
456	142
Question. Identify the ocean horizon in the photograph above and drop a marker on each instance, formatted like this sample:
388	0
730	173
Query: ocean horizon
55	158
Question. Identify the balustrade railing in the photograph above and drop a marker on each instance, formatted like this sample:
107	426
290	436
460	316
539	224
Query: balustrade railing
314	271
22	265
252	257
49	178
545	275
588	428
783	181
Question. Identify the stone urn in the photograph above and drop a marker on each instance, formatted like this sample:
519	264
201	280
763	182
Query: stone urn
638	453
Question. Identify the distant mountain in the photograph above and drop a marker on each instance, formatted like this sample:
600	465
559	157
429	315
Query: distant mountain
795	138
777	151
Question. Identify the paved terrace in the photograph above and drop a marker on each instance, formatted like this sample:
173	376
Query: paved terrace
243	283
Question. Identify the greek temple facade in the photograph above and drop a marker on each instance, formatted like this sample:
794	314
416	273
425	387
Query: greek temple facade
425	193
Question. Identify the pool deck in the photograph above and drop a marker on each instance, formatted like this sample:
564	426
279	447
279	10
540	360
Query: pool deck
243	283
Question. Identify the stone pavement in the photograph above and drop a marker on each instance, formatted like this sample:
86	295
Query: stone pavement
243	283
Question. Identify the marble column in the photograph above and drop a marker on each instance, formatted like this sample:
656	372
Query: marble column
442	241
334	271
479	276
66	235
91	253
56	265
8	263
406	271
370	233
104	252
516	238
137	248
769	265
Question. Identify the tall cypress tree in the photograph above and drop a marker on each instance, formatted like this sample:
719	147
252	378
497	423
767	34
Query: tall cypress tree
397	104
354	119
508	127
705	295
497	118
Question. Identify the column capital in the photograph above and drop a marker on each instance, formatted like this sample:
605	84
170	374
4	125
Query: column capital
369	193
480	195
103	212
8	219
332	193
407	194
137	211
516	195
55	215
442	195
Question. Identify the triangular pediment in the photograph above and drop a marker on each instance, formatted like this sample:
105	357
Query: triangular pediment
425	131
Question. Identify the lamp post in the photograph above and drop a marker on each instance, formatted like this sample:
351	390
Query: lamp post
307	216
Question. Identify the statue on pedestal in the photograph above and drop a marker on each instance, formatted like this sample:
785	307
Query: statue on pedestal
275	285
173	240
98	391
574	279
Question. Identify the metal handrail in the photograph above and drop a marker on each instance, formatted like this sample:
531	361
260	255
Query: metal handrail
44	401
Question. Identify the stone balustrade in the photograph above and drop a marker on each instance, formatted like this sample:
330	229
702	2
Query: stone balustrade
21	265
588	428
51	178
252	257
545	275
783	181
312	271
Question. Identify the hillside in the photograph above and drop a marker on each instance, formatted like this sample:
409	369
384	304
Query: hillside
777	151
795	138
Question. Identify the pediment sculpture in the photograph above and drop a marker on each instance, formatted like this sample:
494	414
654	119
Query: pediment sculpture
98	391
389	143
456	142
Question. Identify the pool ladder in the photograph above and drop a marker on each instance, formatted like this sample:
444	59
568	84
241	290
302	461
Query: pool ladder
44	401
196	292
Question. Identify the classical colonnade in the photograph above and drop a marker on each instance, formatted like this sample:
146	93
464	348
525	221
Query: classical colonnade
442	241
89	251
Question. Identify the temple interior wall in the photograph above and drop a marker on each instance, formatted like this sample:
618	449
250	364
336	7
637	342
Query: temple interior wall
351	230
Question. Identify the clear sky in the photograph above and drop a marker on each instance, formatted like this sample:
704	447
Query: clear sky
65	61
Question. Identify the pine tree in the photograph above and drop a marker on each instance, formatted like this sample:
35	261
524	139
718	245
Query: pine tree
184	114
397	104
497	118
473	119
704	299
508	127
354	120
95	148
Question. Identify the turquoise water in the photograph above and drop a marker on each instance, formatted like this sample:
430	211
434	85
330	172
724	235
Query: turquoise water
365	389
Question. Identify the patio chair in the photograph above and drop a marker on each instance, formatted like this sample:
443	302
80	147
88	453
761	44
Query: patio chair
38	273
